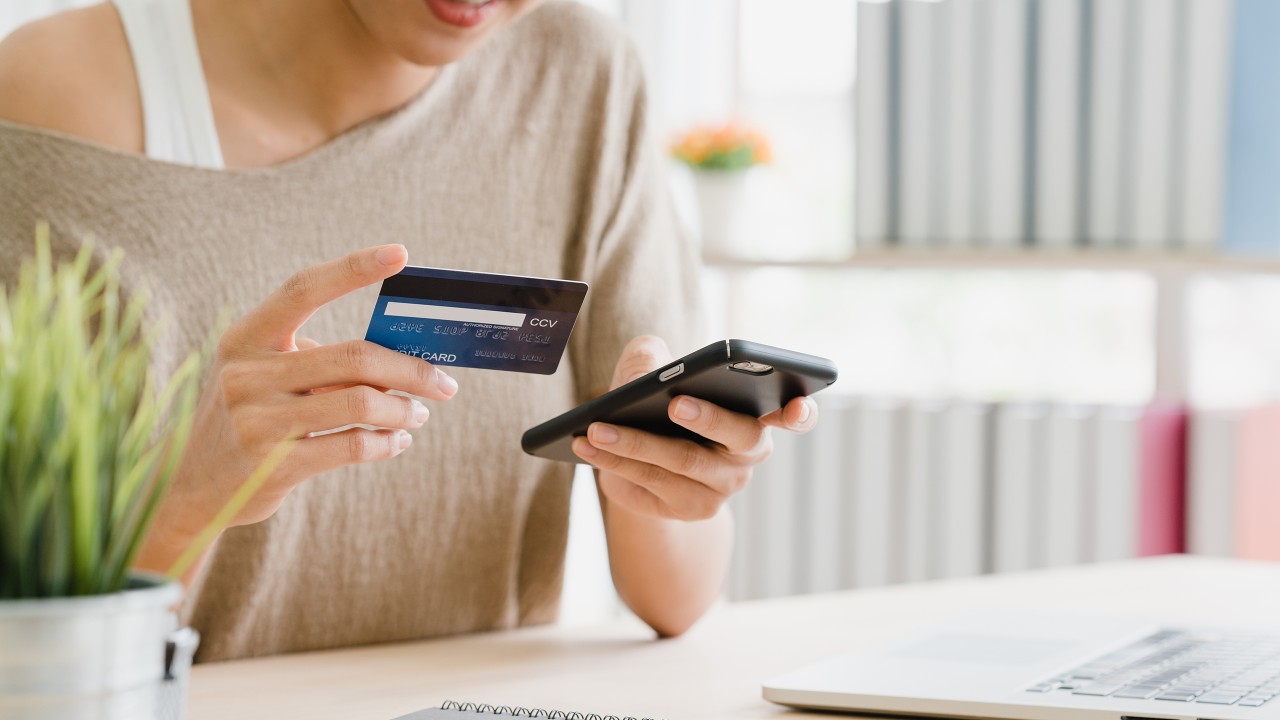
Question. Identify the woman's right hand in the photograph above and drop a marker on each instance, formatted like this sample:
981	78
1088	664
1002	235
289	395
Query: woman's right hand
267	386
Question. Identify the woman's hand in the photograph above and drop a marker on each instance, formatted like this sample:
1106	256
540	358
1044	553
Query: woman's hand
681	479
267	387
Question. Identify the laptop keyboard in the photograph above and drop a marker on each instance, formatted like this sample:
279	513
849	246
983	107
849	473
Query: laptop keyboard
1181	666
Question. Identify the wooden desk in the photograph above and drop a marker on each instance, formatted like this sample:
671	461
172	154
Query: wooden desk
717	669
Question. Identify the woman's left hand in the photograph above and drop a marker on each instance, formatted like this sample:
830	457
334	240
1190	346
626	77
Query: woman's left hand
675	478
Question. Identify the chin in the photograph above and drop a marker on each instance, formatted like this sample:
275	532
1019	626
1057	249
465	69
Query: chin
440	32
437	52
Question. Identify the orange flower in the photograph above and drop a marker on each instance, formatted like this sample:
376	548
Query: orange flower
730	146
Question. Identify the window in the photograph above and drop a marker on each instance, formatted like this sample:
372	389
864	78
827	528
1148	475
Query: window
1048	335
795	79
978	334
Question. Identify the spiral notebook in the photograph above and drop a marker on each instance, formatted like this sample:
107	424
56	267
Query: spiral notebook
474	711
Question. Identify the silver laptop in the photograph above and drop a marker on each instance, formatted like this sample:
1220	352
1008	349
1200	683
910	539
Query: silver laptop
1038	667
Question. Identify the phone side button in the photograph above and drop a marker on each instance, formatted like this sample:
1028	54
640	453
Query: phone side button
670	372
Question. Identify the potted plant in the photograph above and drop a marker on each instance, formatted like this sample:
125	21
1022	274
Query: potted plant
90	437
720	157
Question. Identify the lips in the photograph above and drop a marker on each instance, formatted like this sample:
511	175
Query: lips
462	13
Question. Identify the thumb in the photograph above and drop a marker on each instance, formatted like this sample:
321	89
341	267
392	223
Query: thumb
642	355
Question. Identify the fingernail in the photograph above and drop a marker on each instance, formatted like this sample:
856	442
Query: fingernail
806	409
584	448
420	412
391	254
603	434
447	384
687	409
403	439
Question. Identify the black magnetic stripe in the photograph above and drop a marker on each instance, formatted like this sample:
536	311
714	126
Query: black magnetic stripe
482	293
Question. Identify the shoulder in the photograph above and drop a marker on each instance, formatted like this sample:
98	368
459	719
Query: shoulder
571	33
573	24
73	73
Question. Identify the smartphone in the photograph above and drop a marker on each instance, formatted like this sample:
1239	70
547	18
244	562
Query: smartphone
738	375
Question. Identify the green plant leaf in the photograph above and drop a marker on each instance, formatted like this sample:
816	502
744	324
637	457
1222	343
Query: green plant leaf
90	436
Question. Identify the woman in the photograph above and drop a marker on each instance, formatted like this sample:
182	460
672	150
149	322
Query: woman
227	145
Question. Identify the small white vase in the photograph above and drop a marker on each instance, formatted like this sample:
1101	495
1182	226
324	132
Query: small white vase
722	210
91	658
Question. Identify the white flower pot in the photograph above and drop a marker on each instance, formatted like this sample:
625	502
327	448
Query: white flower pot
722	209
90	658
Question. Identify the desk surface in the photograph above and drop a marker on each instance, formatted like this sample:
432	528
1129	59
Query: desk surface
716	670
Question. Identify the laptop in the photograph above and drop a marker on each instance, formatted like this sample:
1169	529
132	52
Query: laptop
1025	666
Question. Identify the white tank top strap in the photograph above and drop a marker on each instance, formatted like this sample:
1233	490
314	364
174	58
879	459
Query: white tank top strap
177	115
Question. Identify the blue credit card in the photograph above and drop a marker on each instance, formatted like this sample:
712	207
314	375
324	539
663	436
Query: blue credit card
474	319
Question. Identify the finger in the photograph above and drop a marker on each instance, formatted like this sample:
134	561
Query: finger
632	496
719	471
305	343
739	434
327	452
799	416
682	498
644	354
272	324
363	363
356	405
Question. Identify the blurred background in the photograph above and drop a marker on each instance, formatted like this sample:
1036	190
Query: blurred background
1040	238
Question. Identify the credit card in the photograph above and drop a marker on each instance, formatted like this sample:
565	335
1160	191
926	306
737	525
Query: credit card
475	319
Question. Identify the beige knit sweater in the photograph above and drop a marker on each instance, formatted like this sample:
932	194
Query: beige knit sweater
529	157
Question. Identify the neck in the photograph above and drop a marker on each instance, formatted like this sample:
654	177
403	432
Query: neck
311	64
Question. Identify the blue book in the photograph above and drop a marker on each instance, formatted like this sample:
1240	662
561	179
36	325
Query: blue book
1252	221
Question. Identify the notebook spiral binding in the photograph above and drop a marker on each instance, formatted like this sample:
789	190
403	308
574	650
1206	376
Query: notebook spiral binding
519	712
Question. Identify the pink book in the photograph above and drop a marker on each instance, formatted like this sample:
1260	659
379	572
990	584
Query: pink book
1258	485
1163	485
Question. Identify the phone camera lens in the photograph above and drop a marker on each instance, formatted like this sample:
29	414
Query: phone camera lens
751	368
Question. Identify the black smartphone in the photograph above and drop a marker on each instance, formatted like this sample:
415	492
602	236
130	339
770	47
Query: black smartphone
738	375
